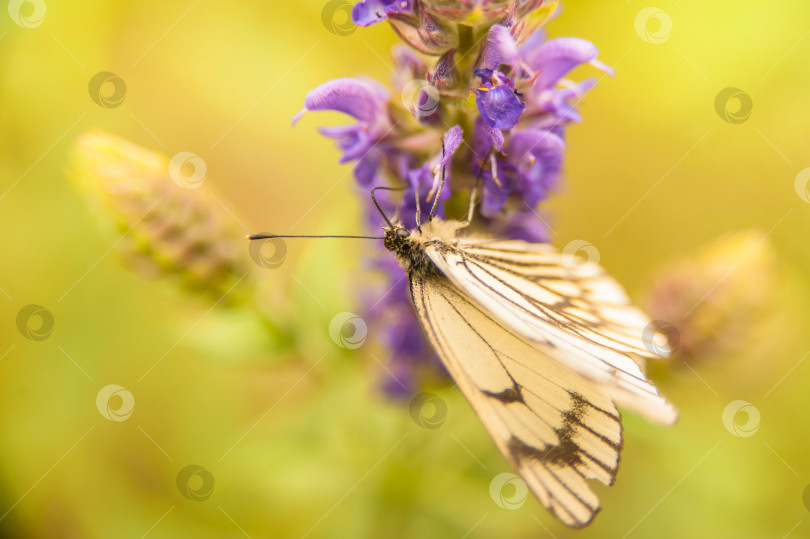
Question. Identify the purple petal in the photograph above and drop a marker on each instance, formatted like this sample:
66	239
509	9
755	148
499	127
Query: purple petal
499	107
483	138
495	135
525	226
380	90
400	7
368	12
558	101
407	65
406	337
419	177
534	42
484	73
541	177
346	95
575	91
491	202
555	58
366	169
404	57
340	131
452	140
495	196
492	199
352	139
500	48
529	142
538	154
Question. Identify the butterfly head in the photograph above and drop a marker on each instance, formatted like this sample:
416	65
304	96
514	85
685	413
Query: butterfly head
408	246
398	239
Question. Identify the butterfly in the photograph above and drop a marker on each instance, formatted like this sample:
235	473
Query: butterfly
542	350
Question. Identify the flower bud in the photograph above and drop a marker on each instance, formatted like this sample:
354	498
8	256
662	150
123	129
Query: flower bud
715	297
168	228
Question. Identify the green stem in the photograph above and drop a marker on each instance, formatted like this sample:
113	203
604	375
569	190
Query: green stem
466	39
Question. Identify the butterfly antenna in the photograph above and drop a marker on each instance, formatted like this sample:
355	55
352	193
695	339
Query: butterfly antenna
270	236
379	209
439	191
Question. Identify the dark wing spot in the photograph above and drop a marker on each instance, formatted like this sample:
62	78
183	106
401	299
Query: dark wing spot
513	394
566	452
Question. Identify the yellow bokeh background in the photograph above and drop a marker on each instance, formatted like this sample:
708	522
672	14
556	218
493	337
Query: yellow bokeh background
302	442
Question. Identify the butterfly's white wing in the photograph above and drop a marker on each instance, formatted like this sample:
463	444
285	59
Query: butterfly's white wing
585	322
556	427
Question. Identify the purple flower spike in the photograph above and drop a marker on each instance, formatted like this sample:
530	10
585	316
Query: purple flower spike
515	136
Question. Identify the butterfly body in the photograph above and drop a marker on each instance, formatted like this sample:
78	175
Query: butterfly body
541	352
409	246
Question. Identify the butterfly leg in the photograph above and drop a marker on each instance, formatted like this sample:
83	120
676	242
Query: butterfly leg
474	192
418	208
439	190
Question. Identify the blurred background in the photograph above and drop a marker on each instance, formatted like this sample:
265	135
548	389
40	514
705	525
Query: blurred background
135	406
